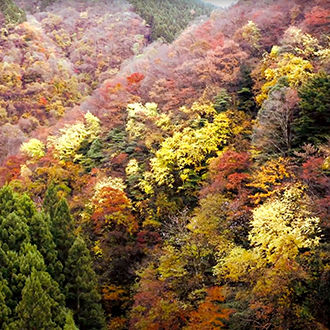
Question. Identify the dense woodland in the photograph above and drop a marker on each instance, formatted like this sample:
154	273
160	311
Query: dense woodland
160	174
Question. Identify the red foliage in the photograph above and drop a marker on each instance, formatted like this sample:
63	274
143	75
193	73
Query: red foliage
208	34
230	172
317	17
209	315
313	175
156	306
135	78
147	239
11	169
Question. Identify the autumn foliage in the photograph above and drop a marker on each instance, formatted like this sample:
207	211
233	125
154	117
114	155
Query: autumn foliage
177	165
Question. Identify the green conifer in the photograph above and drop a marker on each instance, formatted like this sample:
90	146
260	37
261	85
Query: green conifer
5	311
13	232
69	322
82	296
41	236
12	13
62	229
51	200
313	122
42	304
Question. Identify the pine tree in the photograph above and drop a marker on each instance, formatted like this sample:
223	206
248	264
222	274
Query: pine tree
62	229
25	207
10	274
42	304
13	232
69	322
313	122
5	311
41	236
51	200
82	296
7	201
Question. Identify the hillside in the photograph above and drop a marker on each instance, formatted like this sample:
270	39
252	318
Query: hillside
164	167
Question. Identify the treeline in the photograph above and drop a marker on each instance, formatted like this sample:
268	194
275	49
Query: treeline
168	18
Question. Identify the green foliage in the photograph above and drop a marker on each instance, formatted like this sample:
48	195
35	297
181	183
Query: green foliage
313	122
41	236
82	296
5	311
12	13
42	304
69	322
222	101
62	229
168	18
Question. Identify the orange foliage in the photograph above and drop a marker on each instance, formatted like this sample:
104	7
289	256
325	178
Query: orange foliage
11	169
209	315
135	78
273	175
112	208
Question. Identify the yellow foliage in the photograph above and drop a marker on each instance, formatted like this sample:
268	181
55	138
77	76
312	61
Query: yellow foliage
251	34
171	264
269	177
146	183
237	264
279	228
93	126
300	43
210	218
295	69
34	148
283	225
69	140
150	109
114	183
132	167
189	148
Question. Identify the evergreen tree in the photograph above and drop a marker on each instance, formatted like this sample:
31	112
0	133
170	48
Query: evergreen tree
62	229
10	274
7	201
13	232
82	296
25	207
11	12
41	236
5	311
51	200
30	258
69	322
313	122
42	304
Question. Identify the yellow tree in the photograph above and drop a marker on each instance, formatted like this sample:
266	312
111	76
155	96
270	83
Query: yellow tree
280	229
277	65
184	156
67	143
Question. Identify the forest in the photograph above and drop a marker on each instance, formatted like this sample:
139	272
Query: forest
164	167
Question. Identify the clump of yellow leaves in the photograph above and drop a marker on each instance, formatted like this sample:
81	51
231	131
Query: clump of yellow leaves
33	148
68	142
277	65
